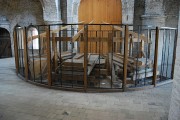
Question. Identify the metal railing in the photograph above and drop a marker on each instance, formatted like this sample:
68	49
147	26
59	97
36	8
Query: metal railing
95	56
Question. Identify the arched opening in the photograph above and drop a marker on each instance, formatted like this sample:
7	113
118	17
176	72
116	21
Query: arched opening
100	10
34	43
5	44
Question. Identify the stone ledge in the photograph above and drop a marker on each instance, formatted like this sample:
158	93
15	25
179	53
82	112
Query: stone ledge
153	17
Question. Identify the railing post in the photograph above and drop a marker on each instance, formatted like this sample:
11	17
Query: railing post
125	56
155	57
25	54
85	55
48	56
16	51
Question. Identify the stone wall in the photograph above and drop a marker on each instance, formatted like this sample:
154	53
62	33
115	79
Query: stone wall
63	6
22	12
127	12
174	112
139	10
171	11
72	11
51	11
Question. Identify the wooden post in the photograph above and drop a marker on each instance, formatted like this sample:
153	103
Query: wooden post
48	55
25	54
16	51
125	57
85	55
155	57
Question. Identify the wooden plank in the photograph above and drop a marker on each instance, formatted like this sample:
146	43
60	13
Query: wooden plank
38	67
101	10
144	75
92	62
25	53
78	56
102	71
74	62
155	57
95	39
48	56
16	51
125	56
63	38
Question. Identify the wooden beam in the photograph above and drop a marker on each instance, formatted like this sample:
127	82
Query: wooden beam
16	51
48	55
25	54
63	38
125	56
77	35
155	57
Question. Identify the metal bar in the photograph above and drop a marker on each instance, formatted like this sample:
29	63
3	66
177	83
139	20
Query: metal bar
168	54
137	52
32	49
72	46
60	48
25	54
100	32
174	54
162	59
85	55
39	40
164	56
22	57
155	57
125	56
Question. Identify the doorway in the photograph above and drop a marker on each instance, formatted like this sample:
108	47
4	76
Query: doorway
5	44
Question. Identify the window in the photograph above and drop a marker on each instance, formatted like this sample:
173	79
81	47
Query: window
33	41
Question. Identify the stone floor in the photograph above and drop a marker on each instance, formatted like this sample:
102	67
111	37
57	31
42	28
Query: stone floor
20	100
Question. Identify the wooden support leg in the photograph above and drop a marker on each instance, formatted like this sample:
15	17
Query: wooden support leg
16	51
48	55
125	57
155	57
